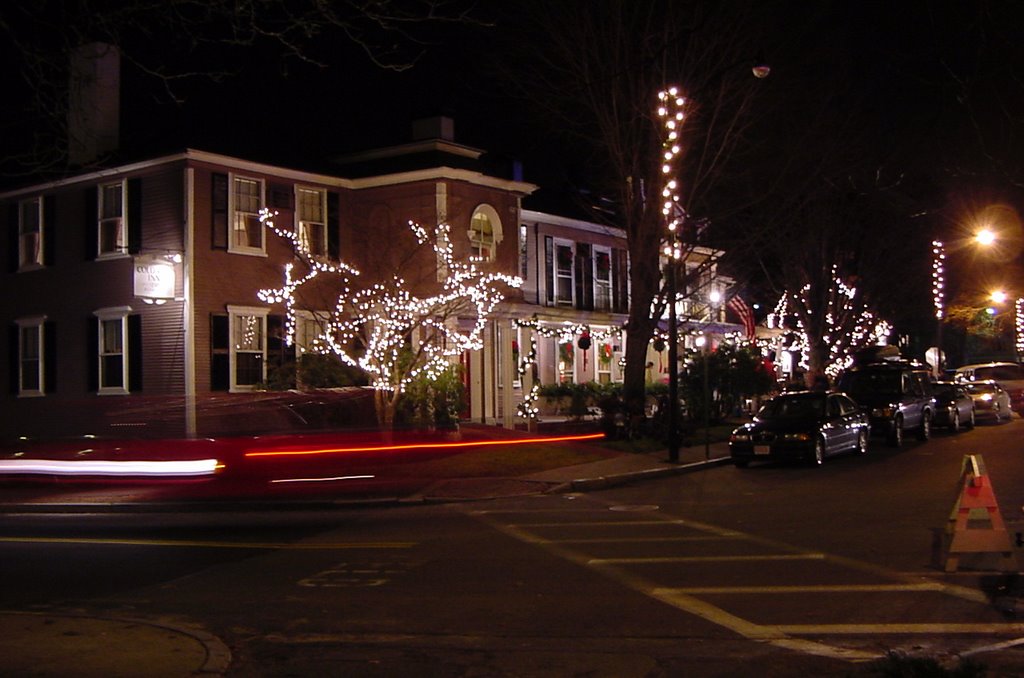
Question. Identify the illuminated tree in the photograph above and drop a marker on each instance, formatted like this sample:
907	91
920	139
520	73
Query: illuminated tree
831	323
394	331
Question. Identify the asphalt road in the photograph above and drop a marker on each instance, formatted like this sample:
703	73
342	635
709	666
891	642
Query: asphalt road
775	570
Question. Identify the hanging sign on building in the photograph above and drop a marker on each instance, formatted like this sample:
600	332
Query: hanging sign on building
154	277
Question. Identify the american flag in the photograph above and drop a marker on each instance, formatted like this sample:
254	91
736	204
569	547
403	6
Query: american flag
745	313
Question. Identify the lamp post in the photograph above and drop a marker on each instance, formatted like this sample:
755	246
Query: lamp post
670	110
984	237
673	366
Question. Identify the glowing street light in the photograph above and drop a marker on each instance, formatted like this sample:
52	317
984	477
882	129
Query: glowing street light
985	237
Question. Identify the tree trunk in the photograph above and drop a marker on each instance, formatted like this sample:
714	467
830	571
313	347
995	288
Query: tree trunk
385	404
817	360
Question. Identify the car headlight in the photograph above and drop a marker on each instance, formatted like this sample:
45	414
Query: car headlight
986	396
799	437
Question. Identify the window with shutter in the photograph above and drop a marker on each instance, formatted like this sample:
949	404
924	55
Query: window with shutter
112	350
113	236
31	353
30	233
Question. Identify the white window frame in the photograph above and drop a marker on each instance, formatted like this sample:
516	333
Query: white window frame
235	316
524	253
565	374
106	315
304	226
476	244
26	262
239	217
121	241
34	323
555	277
599	368
602	303
304	336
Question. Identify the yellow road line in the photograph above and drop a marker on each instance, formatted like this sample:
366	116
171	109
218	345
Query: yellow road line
839	588
909	629
635	540
706	559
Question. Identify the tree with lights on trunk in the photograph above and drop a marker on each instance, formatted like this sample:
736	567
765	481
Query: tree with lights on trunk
394	330
592	77
830	323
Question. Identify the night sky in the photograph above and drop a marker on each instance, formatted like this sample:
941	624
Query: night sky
893	67
927	91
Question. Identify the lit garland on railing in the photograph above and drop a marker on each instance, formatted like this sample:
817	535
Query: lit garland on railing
566	333
381	317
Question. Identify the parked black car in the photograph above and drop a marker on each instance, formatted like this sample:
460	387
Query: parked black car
954	406
801	425
896	394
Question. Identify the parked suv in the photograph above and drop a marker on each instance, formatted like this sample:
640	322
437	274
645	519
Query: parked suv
896	395
1008	375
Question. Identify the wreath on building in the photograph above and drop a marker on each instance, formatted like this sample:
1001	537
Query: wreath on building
565	352
605	354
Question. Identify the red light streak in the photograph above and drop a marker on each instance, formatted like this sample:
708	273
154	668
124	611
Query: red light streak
418	446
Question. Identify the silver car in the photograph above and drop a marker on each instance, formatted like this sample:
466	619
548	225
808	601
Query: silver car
991	401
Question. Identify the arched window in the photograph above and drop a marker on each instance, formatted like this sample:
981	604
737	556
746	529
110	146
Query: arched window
484	233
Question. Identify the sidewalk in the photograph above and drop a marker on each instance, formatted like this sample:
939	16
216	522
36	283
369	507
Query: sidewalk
67	644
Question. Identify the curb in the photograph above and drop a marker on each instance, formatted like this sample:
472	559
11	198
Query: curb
602	482
218	655
227	506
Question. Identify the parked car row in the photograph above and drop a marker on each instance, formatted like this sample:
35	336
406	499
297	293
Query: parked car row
887	398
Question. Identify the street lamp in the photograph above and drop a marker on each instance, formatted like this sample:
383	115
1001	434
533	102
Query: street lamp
985	237
670	110
1001	297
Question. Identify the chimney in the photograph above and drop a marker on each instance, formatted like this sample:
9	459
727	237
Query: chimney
94	105
439	127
